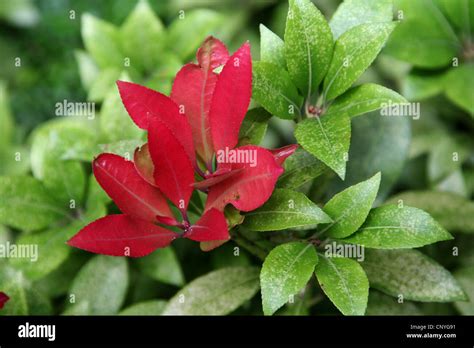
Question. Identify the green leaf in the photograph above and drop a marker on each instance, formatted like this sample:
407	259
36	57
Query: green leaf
424	37
446	156
350	208
460	13
88	70
273	89
371	136
162	265
308	45
61	139
6	118
217	293
352	13
142	46
102	41
300	168
327	138
411	274
272	47
115	123
364	98
460	88
100	287
51	251
104	82
453	212
345	283
13	284
254	127
354	51
465	277
188	31
381	304
419	85
153	307
285	209
286	271
26	204
65	181
394	227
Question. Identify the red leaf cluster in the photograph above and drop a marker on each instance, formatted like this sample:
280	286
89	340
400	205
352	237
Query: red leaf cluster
191	134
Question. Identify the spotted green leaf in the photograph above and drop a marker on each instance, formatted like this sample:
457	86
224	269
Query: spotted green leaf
364	98
286	271
274	90
308	45
394	227
345	283
272	47
410	274
217	293
300	168
285	209
350	207
352	55
327	139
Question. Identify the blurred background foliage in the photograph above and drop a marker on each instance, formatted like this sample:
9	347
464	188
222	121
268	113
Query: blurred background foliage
47	55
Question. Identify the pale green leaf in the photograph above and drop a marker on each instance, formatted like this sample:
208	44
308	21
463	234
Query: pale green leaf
162	265
102	41
352	13
274	90
26	204
345	283
143	47
217	293
100	287
350	207
354	51
394	227
308	45
460	87
104	82
410	274
286	271
420	85
272	47
327	138
285	209
152	307
88	70
453	212
364	98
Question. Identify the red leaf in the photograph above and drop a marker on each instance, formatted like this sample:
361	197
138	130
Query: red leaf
144	104
174	173
250	188
133	195
283	153
144	164
231	99
212	226
3	299
193	88
215	179
122	235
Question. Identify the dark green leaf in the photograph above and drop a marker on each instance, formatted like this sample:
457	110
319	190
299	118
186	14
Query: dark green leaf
381	304
254	127
300	168
412	275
